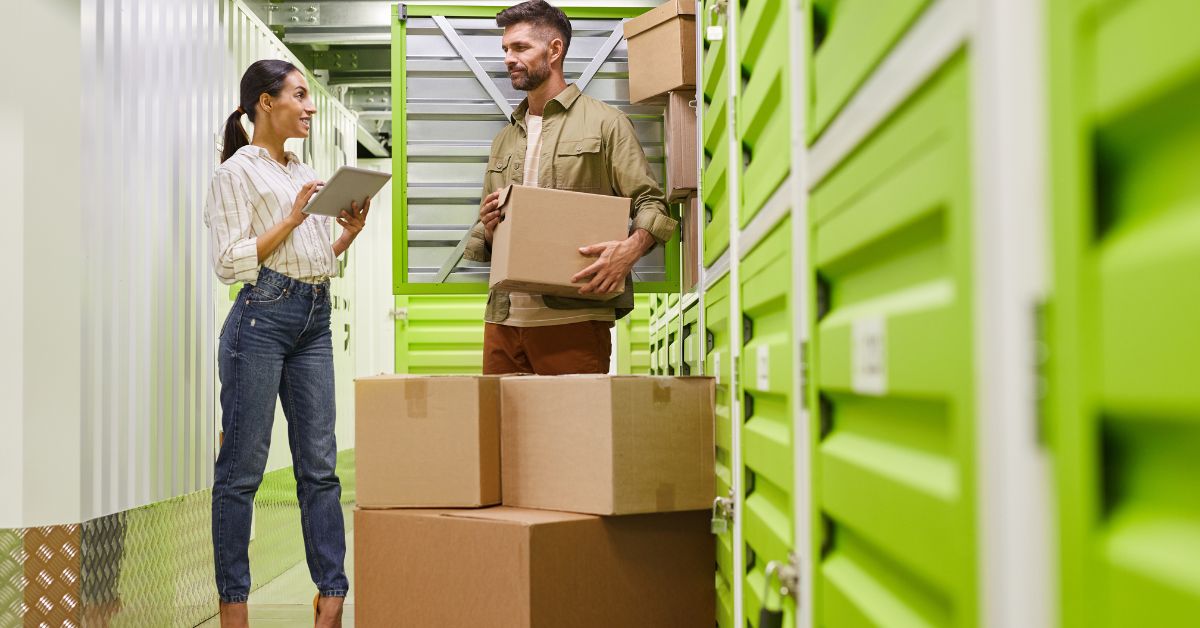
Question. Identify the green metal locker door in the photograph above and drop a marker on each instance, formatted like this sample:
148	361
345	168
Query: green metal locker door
691	342
633	338
893	454
714	195
1124	310
849	38
767	414
440	334
763	123
717	364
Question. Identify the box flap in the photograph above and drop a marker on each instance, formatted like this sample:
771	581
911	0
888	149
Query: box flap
504	195
665	11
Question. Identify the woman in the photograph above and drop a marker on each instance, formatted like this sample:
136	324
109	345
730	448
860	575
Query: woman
276	341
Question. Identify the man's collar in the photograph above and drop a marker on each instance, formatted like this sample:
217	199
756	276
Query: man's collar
566	98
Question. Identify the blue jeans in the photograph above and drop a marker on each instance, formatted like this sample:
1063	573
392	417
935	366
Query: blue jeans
276	343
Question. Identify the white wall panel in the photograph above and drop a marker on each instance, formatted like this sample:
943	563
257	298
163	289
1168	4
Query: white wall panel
114	329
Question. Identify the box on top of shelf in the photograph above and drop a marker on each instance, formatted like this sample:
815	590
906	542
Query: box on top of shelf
662	50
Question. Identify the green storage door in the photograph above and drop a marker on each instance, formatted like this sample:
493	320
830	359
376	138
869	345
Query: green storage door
440	334
764	128
849	38
717	364
714	194
692	339
1125	310
767	414
893	436
633	339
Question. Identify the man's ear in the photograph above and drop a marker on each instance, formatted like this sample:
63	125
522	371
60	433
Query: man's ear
556	51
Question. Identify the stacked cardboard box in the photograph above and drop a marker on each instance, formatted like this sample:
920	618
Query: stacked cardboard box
605	481
662	50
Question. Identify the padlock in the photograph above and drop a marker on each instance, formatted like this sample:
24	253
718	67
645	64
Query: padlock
715	32
720	523
768	618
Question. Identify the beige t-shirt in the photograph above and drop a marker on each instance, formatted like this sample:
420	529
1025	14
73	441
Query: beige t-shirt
530	310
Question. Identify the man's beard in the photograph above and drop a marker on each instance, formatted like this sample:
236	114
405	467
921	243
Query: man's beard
533	77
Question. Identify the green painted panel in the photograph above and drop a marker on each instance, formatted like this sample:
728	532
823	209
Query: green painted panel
849	39
575	13
893	459
715	140
633	338
442	335
767	413
1124	403
716	341
763	120
692	342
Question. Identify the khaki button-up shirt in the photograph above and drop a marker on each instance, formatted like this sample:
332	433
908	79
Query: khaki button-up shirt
588	147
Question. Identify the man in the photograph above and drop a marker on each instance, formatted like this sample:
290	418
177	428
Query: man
560	138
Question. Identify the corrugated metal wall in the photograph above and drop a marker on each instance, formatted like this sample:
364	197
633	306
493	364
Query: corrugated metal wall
158	79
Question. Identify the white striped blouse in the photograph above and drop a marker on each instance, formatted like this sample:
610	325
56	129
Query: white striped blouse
250	193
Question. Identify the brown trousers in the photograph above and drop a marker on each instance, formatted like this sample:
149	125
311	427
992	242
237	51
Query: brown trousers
552	350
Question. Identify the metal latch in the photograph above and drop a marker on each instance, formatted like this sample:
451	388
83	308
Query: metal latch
722	514
399	314
788	576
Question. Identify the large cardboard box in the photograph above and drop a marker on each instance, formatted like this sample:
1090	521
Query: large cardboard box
427	441
512	568
536	247
662	50
608	445
692	231
680	122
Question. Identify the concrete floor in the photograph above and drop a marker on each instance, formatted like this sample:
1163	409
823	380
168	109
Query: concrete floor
286	601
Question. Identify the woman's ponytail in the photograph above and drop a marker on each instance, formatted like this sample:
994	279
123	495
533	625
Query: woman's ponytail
235	135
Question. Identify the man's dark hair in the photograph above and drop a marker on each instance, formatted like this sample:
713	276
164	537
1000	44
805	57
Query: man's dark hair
542	15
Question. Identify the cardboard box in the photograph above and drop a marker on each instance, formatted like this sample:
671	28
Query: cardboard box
427	441
607	445
512	568
662	50
536	247
692	231
680	123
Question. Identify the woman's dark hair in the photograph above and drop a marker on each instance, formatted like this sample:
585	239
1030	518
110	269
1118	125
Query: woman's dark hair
542	15
262	77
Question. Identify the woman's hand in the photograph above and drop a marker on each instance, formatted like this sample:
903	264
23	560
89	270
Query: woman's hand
306	193
352	223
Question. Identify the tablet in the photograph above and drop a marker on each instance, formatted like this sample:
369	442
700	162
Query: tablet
346	185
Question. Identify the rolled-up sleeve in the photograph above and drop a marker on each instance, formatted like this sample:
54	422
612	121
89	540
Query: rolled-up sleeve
632	178
227	214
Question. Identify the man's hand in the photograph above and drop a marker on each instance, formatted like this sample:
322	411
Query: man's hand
489	215
616	259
